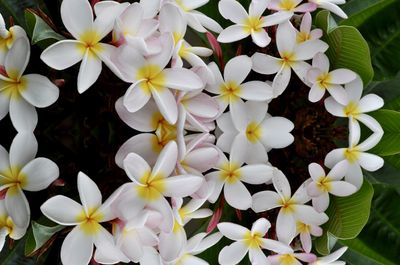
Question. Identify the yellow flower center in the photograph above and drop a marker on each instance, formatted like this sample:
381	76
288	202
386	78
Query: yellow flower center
90	40
253	24
302	37
165	132
253	132
230	173
7	223
287	259
324	184
288	58
152	76
153	187
13	89
90	221
287	5
351	109
288	206
303	228
230	91
14	179
324	80
252	241
352	155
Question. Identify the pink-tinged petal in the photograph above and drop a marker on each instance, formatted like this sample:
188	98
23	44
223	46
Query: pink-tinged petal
313	190
265	64
371	123
89	193
78	243
321	61
233	11
309	215
39	92
306	23
105	21
232	231
162	59
207	22
166	161
106	248
281	80
306	7
316	230
306	243
232	33
107	209
261	226
285	38
321	203
63	54
171	20
77	16
316	93
338	171
17	58
275	246
182	79
132	247
225	123
342	188
163	207
260	38
354	175
233	253
18	206
316	171
265	200
370	103
214	220
285	227
202	159
313	74
23	115
307	50
237	69
256	91
23	149
136	167
276	132
305	257
89	71
370	162
316	34
202	106
334	108
136	97
182	186
256	174
342	76
166	103
170	252
142	120
39	173
225	141
237	195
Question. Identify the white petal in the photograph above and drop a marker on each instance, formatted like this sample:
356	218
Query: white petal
354	175
4	105
309	215
77	16
78	243
233	11
166	161
285	38
306	242
40	173
202	159
308	49
39	92
237	195
232	231
342	76
281	80
276	132
256	91
202	105
301	196
321	203
265	64
89	71
63	54
23	115
339	94
166	103
256	174
370	162
333	256
257	256
237	69
261	226
4	160
301	68
182	186
225	141
285	227
233	253
62	210
136	167
18	206
275	246
136	97
170	252
371	123
232	33
142	120
338	171
321	61
23	149
182	79
161	59
260	38
316	93
89	193
334	108
334	157
370	102
342	188
275	18
265	200
316	171
281	184
333	8
17	58
105	245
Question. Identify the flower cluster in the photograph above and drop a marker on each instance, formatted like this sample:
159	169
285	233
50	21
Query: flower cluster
177	167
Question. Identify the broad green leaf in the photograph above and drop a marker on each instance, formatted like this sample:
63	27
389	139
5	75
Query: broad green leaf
15	8
325	21
390	142
347	47
389	90
39	235
38	29
347	215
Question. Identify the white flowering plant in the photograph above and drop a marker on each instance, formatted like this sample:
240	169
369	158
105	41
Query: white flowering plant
186	132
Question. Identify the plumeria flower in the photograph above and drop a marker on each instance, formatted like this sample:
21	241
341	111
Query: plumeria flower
306	231
356	157
87	219
356	108
20	94
195	19
291	6
292	208
150	78
324	184
254	131
331	5
331	259
306	32
246	24
322	80
230	176
292	56
231	88
20	170
8	227
77	16
8	38
251	241
151	185
292	258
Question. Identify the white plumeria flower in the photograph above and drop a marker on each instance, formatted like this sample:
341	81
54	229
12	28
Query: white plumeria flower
356	108
191	210
8	227
8	38
87	219
151	185
195	19
254	131
292	208
133	28
230	176
196	245
292	56
331	259
20	94
306	231
251	241
231	88
324	184
322	80
149	78
356	157
246	24
306	32
331	5
77	16
291	6
20	170
291	258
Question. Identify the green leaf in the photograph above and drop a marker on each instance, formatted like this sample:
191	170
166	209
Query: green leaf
15	8
38	29
347	216
390	142
39	235
347	47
